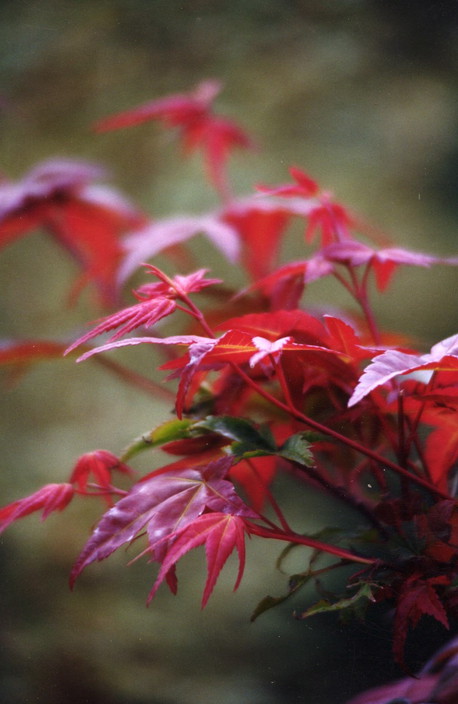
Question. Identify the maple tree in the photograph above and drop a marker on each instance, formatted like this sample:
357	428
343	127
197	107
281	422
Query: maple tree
266	384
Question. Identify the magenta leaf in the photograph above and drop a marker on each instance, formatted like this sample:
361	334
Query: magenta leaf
221	533
161	505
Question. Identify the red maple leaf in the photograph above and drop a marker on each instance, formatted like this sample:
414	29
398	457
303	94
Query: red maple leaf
417	597
191	114
156	301
221	533
98	466
86	220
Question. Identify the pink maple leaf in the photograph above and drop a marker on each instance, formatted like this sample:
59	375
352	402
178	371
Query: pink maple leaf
154	237
392	363
221	533
384	261
266	348
51	497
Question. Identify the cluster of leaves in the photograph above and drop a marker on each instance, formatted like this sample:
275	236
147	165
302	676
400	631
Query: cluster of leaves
265	384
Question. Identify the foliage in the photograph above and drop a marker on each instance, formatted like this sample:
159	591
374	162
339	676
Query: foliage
265	386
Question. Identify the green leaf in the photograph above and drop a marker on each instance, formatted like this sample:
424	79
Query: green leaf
171	430
296	582
322	606
249	439
297	449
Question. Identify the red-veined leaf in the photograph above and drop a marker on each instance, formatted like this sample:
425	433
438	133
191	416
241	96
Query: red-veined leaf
161	505
220	533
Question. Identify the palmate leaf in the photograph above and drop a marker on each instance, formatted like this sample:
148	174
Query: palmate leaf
192	115
417	598
221	533
162	504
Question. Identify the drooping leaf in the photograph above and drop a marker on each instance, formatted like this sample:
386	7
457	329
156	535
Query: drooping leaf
51	497
221	533
98	466
365	592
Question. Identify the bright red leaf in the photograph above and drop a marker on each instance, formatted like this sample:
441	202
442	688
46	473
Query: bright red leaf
221	533
98	467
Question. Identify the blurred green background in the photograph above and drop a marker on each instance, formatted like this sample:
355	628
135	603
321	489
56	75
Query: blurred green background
361	94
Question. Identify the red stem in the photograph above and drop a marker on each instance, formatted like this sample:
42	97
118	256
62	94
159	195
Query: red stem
291	537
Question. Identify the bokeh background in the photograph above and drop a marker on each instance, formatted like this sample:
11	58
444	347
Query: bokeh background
360	93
